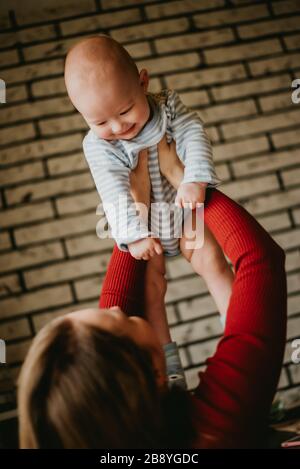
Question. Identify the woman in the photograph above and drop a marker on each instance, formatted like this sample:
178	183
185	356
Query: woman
97	378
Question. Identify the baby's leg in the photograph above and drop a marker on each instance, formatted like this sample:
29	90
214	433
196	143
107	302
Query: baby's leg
209	262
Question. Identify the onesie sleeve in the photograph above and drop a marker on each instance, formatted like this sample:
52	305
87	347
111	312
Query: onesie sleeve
192	144
111	177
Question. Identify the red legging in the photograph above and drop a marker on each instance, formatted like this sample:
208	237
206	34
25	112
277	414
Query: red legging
236	390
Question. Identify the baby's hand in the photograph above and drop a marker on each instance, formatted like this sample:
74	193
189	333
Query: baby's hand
190	193
145	248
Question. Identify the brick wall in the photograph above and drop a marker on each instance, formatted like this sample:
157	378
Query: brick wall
232	61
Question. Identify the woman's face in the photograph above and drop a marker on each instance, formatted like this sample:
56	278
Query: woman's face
138	329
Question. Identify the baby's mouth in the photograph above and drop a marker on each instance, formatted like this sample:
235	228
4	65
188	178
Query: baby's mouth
127	131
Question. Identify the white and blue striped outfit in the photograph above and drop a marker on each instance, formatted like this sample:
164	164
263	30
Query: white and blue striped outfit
111	162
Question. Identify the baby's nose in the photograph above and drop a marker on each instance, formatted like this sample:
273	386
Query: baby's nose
116	127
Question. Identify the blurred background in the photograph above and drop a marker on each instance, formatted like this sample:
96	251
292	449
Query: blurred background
234	63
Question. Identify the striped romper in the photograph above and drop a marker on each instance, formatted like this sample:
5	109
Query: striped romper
111	162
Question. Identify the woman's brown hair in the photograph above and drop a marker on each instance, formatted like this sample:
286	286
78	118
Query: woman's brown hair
81	387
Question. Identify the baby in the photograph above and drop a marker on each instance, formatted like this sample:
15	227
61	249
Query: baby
126	125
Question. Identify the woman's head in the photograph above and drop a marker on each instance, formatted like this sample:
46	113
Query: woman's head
92	380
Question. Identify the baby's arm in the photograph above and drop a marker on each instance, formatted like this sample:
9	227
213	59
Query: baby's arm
194	149
112	179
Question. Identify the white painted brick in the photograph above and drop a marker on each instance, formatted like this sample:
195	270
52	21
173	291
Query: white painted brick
274	64
288	352
283	380
222	172
293	327
179	7
292	176
35	109
9	284
183	357
148	30
38	33
192	41
56	229
192	377
26	214
16	93
16	134
196	330
87	244
230	16
54	126
280	101
30	256
194	98
250	187
4	20
203	77
293	283
267	162
296	215
261	124
48	87
196	307
290	398
32	71
39	148
78	203
88	288
110	4
251	87
288	137
181	289
171	63
179	267
52	10
292	261
17	352
292	42
200	352
67	270
263	28
49	188
21	173
5	242
171	315
242	52
295	373
41	299
40	320
230	151
101	21
272	202
288	239
275	222
222	112
286	6
9	57
14	329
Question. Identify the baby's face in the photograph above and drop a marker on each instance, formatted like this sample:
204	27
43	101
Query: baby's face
119	109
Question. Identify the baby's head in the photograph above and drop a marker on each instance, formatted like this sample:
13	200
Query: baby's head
105	86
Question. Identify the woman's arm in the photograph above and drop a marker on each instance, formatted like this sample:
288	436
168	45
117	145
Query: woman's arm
236	390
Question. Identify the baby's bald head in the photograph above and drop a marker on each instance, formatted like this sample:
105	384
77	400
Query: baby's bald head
94	62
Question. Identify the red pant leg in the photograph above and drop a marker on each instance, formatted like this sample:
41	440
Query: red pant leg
123	285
